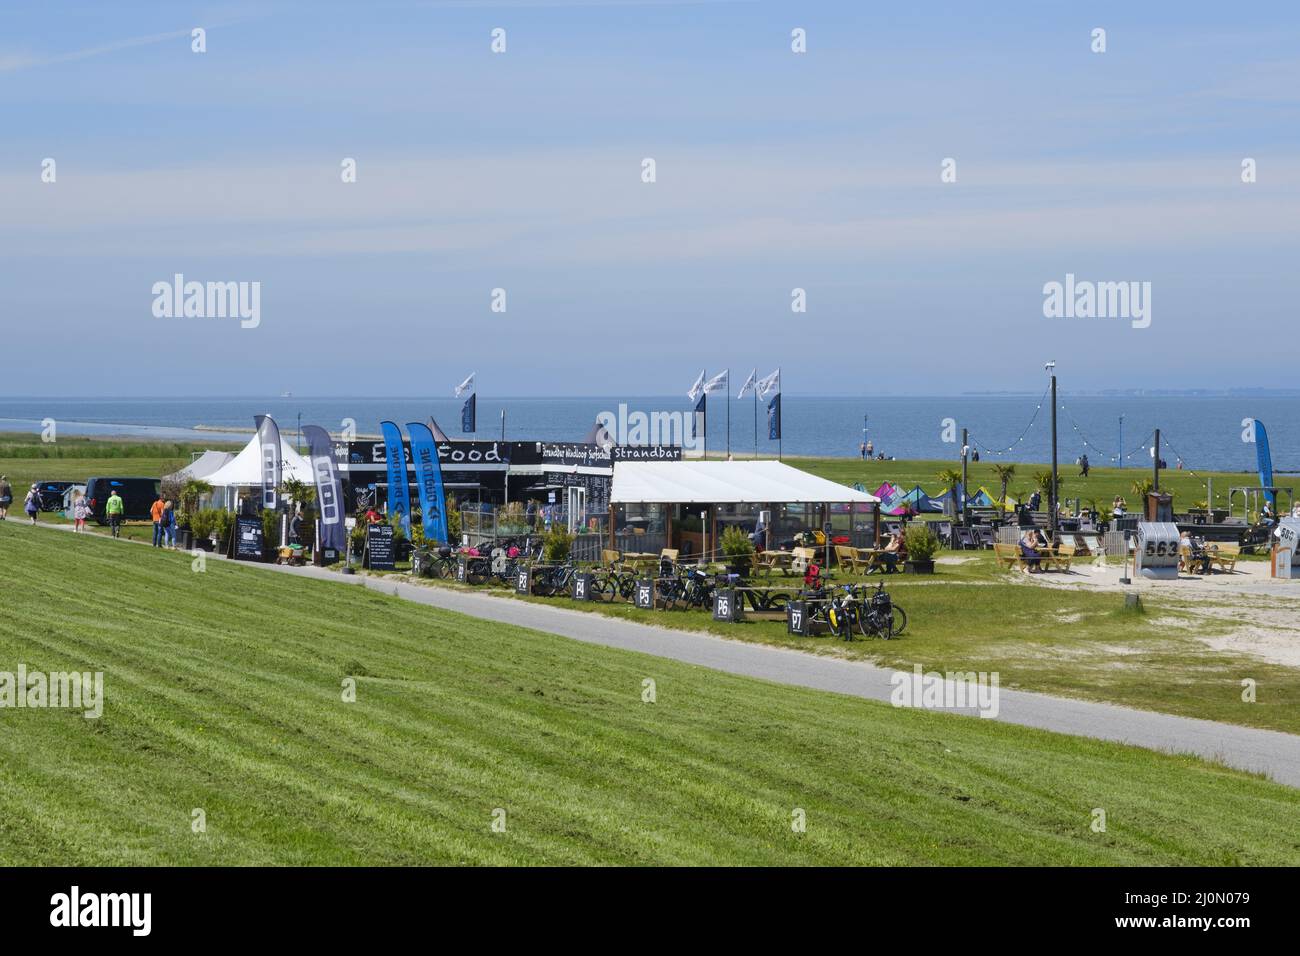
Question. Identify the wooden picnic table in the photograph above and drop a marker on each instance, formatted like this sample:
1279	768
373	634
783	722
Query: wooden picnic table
770	561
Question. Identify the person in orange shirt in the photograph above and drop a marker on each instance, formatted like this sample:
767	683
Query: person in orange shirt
156	513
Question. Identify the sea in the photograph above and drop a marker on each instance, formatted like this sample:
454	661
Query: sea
1207	432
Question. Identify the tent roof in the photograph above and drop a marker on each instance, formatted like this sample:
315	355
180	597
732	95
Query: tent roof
207	463
245	468
724	482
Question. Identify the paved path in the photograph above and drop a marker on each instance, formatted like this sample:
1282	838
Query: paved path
1267	751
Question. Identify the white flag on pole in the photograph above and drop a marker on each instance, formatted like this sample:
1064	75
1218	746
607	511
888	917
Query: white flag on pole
768	384
719	383
694	393
750	383
466	386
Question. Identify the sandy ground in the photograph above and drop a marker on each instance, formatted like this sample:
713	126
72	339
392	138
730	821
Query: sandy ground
1248	611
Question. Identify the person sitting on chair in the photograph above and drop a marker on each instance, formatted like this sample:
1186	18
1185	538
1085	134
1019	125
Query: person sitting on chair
1031	551
894	552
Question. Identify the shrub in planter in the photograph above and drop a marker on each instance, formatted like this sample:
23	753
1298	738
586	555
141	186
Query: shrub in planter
738	550
556	544
922	543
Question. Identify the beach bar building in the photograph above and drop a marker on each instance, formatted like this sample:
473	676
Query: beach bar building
687	505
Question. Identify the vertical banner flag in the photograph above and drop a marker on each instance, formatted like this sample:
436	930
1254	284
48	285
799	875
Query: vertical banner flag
722	383
329	489
771	385
399	497
750	387
428	480
469	414
268	440
699	421
1264	458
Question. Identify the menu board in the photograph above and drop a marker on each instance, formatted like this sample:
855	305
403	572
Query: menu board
246	539
380	553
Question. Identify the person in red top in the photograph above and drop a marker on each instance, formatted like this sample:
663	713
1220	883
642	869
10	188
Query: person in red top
156	513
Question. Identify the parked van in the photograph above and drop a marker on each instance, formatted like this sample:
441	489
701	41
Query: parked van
138	496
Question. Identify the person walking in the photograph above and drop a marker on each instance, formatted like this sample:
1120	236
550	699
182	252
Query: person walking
6	496
169	524
1084	466
862	451
80	512
113	507
871	448
32	503
156	513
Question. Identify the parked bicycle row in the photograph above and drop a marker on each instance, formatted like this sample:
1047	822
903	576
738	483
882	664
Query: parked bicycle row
810	607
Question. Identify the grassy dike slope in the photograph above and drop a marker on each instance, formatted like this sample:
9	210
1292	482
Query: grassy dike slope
223	693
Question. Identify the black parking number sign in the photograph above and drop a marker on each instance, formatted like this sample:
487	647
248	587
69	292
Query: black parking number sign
522	582
580	584
724	607
460	570
645	595
794	617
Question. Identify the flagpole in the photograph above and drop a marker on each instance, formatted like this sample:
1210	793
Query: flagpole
755	393
780	430
704	425
728	413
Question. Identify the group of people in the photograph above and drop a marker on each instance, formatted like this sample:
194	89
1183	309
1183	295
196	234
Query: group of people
163	515
31	504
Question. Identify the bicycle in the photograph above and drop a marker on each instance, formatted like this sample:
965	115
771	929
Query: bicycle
881	616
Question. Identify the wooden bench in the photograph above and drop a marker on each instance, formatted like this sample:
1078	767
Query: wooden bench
1008	554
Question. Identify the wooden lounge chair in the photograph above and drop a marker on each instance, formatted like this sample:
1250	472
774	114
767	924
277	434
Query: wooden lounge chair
1224	556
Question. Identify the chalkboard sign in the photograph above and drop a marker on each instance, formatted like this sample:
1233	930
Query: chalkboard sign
645	594
725	606
380	554
246	539
582	587
796	618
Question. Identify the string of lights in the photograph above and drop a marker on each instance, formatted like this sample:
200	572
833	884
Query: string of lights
1032	418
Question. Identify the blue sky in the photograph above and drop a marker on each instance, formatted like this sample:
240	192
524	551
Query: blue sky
522	171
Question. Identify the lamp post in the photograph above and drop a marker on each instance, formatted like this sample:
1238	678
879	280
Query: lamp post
1052	503
965	494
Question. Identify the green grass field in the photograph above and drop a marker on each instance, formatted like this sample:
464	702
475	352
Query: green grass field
223	693
1073	643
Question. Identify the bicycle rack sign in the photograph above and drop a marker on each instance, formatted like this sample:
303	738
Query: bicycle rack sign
645	594
523	580
725	606
582	586
796	618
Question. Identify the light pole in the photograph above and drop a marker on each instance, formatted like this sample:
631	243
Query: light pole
1120	457
1052	503
965	495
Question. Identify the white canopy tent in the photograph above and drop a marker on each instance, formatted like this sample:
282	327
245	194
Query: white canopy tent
244	470
206	464
725	482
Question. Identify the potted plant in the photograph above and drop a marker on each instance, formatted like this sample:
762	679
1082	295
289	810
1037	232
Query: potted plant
556	544
738	549
921	543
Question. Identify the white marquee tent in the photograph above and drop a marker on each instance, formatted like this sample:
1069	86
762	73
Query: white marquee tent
725	482
206	464
244	471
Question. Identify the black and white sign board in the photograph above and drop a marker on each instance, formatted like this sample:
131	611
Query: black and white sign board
461	573
246	539
582	586
380	553
726	607
523	580
796	618
644	594
1155	550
